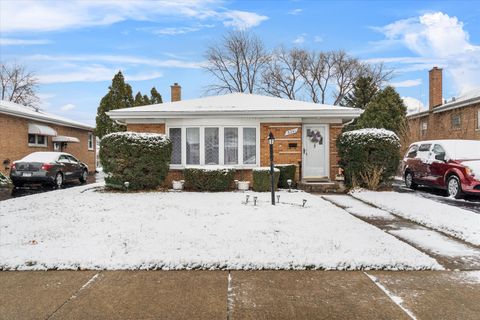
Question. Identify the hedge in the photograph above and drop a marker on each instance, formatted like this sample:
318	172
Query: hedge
286	172
368	154
209	179
141	159
262	180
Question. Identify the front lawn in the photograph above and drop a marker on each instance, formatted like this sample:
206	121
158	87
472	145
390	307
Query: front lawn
82	228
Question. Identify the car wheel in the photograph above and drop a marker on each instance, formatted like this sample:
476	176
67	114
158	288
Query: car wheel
409	183
454	188
84	176
58	182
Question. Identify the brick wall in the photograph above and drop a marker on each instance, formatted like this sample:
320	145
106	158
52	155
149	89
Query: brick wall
334	132
440	125
282	153
435	88
14	141
143	127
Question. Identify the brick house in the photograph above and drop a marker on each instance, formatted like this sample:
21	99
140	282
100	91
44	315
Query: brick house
24	130
232	129
458	118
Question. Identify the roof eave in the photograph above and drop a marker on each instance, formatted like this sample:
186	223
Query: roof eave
456	104
44	119
119	115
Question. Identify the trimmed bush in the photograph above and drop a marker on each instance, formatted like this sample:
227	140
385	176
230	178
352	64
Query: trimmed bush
141	159
209	179
368	157
4	180
287	171
261	179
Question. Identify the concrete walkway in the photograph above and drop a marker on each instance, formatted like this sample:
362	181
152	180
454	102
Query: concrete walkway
239	295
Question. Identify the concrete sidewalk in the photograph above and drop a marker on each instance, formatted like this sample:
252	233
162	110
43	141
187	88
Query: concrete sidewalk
239	295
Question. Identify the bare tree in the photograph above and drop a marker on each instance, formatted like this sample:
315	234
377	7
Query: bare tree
282	76
317	70
236	63
335	72
346	71
18	85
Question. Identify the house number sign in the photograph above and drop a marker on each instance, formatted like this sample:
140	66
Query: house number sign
291	131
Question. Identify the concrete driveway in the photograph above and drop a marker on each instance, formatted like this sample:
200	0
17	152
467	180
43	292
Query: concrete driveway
471	203
239	295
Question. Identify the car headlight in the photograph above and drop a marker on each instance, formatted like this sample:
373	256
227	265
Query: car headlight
469	171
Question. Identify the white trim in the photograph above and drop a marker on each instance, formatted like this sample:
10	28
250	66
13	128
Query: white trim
327	148
90	135
36	144
221	145
478	119
145	121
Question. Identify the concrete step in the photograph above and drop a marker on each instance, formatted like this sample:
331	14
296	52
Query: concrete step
322	187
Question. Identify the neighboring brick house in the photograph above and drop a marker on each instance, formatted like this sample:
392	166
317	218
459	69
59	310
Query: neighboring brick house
231	130
24	130
458	118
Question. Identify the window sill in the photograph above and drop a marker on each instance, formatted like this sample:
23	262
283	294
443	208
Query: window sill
38	145
236	167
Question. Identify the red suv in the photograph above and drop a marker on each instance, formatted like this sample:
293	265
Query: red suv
453	165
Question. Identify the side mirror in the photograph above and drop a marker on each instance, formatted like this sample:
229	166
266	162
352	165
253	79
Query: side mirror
440	156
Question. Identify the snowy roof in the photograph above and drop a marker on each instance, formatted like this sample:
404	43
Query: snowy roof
465	100
470	97
235	104
18	110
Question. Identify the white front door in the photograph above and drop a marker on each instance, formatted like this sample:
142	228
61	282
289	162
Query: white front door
315	147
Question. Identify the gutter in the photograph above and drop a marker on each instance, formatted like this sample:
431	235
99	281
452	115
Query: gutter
118	114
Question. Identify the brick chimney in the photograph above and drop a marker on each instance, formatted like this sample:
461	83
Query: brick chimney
435	88
176	92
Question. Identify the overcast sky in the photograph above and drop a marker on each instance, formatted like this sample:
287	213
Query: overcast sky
75	47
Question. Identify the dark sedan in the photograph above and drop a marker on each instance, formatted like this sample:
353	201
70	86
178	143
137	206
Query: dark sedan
48	168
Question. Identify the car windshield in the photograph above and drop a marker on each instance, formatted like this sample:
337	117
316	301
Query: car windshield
463	150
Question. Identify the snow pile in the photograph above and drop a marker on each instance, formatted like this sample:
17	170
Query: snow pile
459	223
363	135
206	168
265	169
80	228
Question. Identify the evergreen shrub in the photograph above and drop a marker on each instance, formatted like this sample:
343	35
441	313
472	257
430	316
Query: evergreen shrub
286	172
141	159
369	157
209	179
261	179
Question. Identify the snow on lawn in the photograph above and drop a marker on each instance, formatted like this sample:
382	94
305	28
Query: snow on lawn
459	223
436	242
358	208
88	229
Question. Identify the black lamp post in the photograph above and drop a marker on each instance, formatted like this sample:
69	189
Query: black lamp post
271	141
